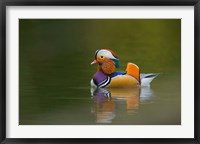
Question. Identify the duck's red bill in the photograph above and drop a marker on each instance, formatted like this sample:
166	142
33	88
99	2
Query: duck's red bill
94	62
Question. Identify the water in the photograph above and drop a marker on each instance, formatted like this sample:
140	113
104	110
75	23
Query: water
55	72
141	106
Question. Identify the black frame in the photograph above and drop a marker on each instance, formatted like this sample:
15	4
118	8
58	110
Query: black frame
4	3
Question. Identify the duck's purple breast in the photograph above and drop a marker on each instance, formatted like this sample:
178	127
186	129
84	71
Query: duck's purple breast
101	79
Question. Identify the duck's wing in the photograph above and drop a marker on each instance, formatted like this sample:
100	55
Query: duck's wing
147	78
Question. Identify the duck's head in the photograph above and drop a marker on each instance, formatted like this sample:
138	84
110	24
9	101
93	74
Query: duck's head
104	55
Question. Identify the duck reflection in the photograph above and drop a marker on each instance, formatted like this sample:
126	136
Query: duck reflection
108	100
105	106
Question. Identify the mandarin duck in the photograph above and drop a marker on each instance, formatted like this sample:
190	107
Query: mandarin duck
106	76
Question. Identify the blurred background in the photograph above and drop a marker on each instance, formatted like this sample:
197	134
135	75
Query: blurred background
55	70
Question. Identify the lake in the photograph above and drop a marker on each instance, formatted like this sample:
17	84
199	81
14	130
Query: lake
55	71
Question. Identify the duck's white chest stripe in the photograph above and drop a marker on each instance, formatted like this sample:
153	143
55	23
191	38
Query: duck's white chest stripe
105	82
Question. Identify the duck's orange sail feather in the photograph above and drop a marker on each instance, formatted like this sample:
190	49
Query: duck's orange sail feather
133	70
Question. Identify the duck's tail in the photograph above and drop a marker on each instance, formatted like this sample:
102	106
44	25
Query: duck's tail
146	79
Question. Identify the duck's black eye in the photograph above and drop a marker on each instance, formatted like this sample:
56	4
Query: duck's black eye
101	56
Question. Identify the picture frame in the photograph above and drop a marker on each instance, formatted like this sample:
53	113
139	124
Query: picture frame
3	82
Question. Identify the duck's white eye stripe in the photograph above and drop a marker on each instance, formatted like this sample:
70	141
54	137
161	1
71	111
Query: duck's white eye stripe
106	53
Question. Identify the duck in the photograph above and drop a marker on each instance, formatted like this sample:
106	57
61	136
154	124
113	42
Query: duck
106	75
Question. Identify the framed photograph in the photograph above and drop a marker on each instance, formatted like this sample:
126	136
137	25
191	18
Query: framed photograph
99	71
